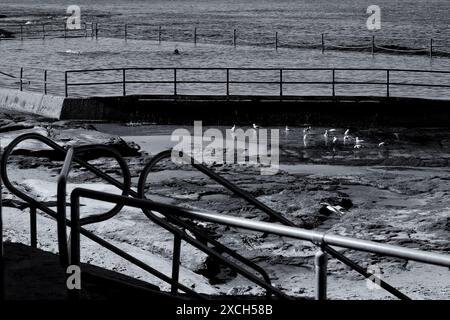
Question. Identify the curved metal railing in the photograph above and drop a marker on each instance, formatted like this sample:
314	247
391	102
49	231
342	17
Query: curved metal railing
201	243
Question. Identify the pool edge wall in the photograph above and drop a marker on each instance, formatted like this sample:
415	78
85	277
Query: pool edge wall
360	111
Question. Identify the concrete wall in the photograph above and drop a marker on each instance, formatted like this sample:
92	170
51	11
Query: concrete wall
30	102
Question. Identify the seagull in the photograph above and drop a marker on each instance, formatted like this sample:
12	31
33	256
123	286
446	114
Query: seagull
357	146
347	138
347	132
326	134
233	128
358	141
255	126
332	130
333	209
335	140
287	129
381	144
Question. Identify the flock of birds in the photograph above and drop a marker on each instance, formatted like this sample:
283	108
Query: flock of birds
347	139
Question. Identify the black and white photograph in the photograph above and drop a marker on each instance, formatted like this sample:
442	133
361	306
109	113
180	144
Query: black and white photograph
228	158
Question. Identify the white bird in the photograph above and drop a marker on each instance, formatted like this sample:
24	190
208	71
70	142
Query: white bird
233	128
357	146
326	134
332	130
381	144
335	140
334	209
347	138
287	129
306	130
28	22
255	126
347	132
358	141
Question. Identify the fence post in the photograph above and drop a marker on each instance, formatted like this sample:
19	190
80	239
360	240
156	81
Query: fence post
45	81
323	43
431	48
334	82
281	84
228	83
387	83
159	34
33	227
124	82
176	264
43	31
234	37
195	35
96	30
65	31
174	81
65	84
21	32
21	76
373	46
320	264
125	32
276	40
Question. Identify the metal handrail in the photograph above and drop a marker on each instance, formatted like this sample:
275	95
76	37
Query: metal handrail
278	80
60	216
317	238
256	203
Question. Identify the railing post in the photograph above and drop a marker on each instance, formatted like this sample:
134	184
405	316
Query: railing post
74	293
124	82
96	30
45	81
159	34
125	32
234	37
228	83
320	264
2	269
176	264
281	83
334	82
174	81
33	227
431	48
373	45
195	35
65	85
323	43
92	30
21	76
65	31
43	31
387	83
21	32
276	40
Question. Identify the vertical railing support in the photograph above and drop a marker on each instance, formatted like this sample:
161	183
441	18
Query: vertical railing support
334	82
43	31
320	263
159	34
176	264
2	268
281	84
387	83
431	48
21	32
65	85
33	227
74	293
124	82
276	40
96	30
175	82
234	37
45	81
125	31
21	77
373	46
65	31
195	35
228	83
323	43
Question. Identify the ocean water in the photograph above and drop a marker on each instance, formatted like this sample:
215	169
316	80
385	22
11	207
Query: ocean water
405	24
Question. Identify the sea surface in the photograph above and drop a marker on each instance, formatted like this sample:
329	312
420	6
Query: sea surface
407	27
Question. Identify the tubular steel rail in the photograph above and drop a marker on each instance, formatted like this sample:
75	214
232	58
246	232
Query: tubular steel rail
225	78
318	238
200	243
